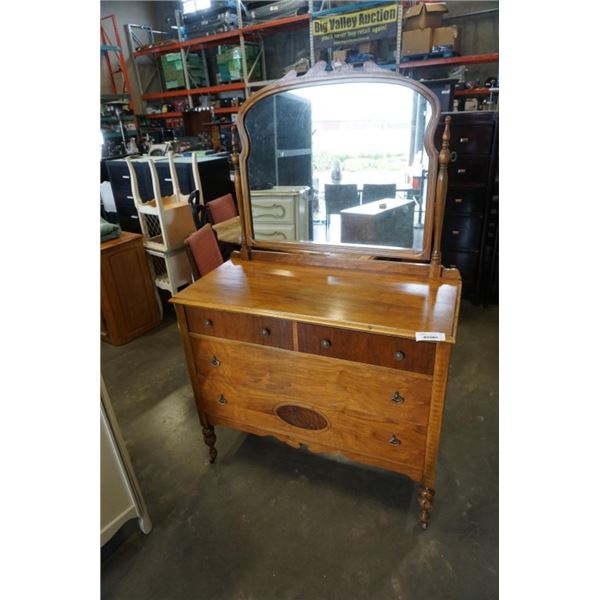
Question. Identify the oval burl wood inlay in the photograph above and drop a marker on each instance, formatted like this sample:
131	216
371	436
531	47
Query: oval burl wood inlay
298	416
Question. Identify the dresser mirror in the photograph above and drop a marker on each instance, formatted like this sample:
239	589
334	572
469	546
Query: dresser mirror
340	163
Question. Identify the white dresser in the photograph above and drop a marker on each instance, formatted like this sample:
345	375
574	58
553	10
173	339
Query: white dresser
280	213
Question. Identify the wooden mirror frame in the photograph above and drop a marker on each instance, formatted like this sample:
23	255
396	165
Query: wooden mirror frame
437	170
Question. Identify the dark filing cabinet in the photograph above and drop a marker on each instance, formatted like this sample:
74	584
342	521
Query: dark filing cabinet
214	177
470	233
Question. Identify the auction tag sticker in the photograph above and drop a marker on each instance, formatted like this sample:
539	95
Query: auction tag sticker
430	336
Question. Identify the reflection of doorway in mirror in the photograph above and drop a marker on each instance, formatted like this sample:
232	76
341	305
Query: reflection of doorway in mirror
382	146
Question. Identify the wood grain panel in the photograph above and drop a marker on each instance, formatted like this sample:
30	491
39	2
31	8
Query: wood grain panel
371	438
319	382
412	471
236	326
367	348
369	301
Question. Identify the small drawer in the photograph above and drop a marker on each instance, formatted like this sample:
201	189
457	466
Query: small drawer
274	233
465	201
464	169
467	138
371	348
461	232
273	210
266	331
465	262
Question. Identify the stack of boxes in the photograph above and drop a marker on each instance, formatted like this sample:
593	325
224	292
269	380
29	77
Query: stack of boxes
172	71
422	31
229	63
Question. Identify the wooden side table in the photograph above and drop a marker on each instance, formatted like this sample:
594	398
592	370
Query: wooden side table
129	302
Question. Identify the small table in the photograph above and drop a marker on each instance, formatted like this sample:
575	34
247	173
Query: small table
229	231
386	222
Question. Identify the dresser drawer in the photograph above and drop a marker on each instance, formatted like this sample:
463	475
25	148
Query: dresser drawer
273	210
393	443
253	403
468	170
274	232
461	232
270	374
266	331
374	349
465	201
467	138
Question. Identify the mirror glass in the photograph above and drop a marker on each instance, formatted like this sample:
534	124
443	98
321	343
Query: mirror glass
339	163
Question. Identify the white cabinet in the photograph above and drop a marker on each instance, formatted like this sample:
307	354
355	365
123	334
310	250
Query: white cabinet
280	213
120	495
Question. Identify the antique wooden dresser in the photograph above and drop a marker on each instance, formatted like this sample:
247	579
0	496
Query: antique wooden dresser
343	348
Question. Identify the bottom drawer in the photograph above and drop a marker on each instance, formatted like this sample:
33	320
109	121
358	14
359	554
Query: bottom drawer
393	442
274	232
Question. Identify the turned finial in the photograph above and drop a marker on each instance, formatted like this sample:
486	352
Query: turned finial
235	160
440	200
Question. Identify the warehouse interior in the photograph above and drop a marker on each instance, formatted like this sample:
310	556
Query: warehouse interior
233	199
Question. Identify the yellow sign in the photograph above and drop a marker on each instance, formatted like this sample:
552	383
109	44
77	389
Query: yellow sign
354	27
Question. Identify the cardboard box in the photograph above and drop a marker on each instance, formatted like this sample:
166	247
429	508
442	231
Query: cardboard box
424	15
368	47
229	63
416	42
446	36
340	56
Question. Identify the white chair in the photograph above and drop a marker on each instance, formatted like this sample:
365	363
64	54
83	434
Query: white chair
166	221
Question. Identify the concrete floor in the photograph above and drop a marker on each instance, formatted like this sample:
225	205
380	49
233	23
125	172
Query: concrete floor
270	522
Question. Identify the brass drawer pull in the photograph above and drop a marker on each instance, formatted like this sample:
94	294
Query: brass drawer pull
221	399
397	398
325	344
399	355
214	361
464	140
265	332
461	171
208	322
394	441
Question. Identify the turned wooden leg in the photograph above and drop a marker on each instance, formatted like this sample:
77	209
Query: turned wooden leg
210	439
425	502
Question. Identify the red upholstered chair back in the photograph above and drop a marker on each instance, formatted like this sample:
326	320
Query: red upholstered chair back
203	251
221	209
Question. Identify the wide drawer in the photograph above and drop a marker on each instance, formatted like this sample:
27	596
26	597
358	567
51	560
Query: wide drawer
468	139
333	385
465	201
461	232
374	349
470	170
273	210
274	232
266	331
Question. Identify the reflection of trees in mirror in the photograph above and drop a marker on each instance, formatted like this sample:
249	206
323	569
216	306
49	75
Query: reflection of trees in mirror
360	161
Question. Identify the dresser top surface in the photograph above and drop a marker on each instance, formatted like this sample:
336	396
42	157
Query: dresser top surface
368	301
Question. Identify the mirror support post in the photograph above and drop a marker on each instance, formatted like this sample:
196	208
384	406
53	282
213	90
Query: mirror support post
440	202
235	159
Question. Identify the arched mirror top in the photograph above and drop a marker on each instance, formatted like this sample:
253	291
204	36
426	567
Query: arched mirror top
340	163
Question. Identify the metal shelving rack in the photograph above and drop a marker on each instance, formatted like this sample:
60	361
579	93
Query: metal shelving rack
110	47
157	47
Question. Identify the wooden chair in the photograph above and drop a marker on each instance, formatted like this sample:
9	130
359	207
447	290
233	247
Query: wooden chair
378	191
221	209
203	251
165	221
